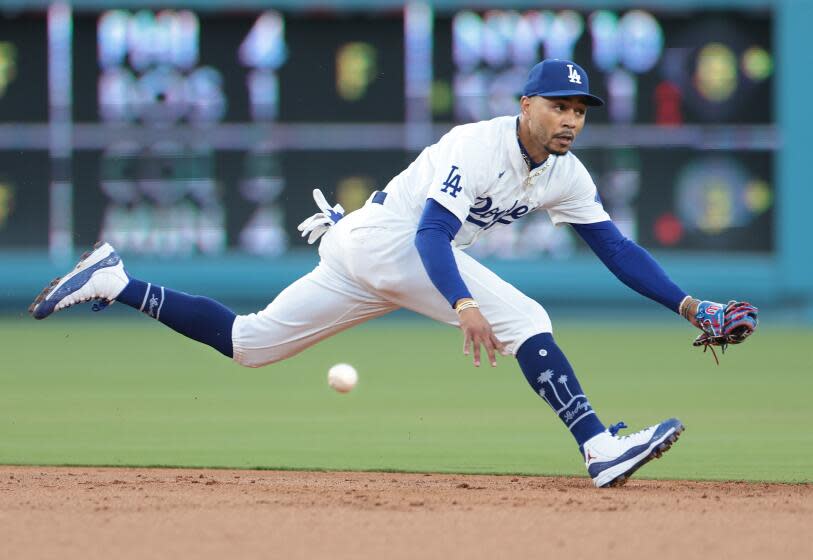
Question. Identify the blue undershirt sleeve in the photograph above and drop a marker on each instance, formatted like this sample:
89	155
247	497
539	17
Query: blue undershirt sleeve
631	263
436	229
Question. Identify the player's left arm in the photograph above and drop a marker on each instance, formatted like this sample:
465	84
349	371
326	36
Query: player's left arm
581	207
631	263
634	266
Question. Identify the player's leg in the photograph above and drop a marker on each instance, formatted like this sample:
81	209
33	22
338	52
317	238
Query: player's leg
317	306
313	308
610	460
100	276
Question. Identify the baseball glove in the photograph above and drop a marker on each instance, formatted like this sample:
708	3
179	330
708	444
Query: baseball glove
724	324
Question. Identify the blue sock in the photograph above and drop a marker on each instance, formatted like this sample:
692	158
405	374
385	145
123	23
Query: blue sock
196	317
547	370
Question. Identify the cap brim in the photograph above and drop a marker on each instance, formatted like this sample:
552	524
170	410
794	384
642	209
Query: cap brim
589	99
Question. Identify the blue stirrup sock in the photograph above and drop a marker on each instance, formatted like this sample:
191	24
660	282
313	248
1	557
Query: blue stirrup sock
548	372
195	317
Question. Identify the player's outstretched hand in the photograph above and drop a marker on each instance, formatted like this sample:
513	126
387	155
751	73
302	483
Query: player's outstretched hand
722	324
477	331
315	227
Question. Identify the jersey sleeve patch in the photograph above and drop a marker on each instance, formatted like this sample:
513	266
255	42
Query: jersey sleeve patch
451	185
458	175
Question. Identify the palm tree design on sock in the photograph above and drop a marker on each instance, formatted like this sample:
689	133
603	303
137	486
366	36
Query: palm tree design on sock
563	380
547	377
543	378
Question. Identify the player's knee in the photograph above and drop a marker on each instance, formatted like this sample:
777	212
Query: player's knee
537	319
534	321
257	343
259	357
247	361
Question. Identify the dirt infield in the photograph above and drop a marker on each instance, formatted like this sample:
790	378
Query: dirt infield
91	513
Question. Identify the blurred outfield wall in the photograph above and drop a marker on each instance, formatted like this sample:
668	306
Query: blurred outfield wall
202	174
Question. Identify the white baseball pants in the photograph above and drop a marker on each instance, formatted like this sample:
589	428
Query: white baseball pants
369	266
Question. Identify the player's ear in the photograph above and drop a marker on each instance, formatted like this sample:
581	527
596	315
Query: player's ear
524	105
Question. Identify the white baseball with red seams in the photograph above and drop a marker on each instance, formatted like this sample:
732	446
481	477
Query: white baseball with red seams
342	377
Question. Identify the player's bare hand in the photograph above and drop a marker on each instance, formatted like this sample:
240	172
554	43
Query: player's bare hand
476	332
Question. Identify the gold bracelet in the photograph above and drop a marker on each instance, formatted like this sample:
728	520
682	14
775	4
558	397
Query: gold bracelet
683	308
683	303
466	304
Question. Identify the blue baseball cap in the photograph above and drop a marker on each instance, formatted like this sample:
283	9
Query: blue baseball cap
560	78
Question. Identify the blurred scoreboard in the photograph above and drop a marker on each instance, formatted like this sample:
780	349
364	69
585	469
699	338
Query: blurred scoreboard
667	69
173	66
181	132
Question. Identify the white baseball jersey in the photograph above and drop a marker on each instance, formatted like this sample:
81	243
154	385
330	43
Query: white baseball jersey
369	264
477	172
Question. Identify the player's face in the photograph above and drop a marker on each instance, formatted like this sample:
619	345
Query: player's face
554	122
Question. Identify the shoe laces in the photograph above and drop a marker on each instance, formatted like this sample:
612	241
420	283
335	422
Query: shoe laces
615	428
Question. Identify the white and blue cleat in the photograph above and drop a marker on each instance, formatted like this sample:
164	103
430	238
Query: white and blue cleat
611	460
99	275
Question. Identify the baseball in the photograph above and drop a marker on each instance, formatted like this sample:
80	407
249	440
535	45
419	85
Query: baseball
342	377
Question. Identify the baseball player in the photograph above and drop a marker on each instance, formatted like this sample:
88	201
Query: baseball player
404	248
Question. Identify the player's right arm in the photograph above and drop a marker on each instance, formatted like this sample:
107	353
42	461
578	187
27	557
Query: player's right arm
436	230
458	163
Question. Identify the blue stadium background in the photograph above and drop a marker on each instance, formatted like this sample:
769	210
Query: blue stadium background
44	169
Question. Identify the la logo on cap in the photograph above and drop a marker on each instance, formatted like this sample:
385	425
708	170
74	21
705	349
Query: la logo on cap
573	75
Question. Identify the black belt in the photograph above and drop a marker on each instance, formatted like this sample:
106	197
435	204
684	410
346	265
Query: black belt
379	197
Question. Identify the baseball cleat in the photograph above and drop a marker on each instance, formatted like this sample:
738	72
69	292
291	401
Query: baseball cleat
611	460
99	275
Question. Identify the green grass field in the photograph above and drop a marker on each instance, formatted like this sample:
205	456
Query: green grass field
115	392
